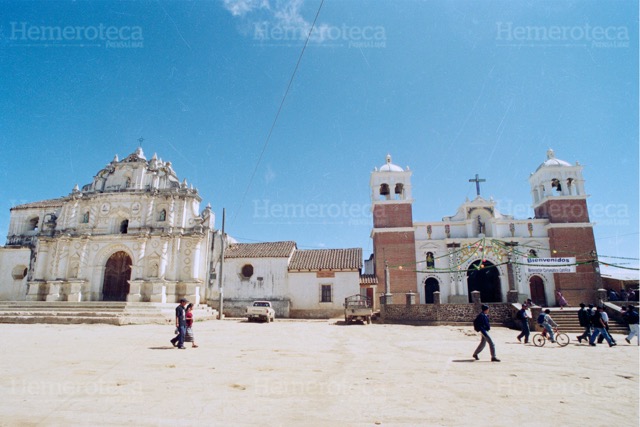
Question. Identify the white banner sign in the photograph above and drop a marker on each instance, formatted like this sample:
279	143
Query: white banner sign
550	265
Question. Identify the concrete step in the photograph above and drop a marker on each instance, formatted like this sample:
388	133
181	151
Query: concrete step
113	313
567	320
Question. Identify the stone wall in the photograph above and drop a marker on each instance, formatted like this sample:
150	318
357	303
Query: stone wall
499	313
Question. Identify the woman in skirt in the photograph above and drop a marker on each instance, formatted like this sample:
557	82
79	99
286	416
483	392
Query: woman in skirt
189	335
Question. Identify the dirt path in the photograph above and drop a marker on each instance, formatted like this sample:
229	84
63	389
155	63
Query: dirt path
307	373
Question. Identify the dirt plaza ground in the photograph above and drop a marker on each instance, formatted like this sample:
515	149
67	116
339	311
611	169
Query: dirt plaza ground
307	373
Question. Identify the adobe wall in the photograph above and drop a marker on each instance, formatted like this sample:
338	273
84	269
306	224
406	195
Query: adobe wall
576	242
392	215
563	211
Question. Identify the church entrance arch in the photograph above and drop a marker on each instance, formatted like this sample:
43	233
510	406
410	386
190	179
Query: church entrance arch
536	287
116	277
485	279
431	285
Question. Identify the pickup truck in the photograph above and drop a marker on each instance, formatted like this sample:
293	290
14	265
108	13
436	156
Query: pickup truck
261	310
357	307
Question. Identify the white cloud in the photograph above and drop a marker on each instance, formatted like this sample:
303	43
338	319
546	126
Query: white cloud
263	15
242	7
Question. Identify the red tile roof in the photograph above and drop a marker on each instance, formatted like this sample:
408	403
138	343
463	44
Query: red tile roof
368	279
260	250
326	259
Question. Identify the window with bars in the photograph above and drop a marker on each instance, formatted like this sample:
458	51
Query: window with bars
325	293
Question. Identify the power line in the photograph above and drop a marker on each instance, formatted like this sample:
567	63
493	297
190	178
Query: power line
273	125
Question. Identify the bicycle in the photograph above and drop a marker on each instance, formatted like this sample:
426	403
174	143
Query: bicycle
540	340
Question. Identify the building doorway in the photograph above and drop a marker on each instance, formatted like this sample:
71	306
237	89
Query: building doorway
116	277
431	285
536	287
484	277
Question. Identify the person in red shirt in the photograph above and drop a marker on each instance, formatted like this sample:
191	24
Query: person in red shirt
189	334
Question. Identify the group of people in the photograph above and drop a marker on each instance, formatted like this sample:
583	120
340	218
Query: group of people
595	322
184	325
623	295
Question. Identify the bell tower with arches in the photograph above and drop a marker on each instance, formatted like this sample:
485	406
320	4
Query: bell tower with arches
393	233
558	193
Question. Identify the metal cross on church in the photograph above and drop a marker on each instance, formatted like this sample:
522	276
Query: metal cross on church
477	180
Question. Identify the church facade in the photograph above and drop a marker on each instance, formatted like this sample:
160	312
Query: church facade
479	248
135	233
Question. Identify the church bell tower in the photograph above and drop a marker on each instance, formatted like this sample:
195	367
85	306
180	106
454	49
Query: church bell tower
393	233
558	193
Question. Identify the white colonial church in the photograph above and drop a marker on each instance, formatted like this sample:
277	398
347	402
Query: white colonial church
135	233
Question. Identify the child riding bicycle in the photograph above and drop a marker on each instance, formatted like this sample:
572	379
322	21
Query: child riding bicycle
549	325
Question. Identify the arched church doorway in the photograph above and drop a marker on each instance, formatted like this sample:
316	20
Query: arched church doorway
485	279
116	277
431	285
536	287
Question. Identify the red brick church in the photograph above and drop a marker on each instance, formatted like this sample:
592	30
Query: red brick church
479	248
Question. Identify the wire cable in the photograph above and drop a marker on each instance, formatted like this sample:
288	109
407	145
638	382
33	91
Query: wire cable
273	125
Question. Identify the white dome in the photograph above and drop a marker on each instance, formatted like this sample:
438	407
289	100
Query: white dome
390	167
552	161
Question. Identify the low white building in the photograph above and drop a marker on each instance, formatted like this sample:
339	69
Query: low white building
299	283
321	279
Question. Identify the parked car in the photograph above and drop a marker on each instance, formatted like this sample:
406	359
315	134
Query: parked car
261	310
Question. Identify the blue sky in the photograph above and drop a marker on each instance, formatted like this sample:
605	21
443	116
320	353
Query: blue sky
449	88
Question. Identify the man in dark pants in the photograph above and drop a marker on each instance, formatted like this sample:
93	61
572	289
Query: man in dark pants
524	319
181	324
584	317
481	324
599	328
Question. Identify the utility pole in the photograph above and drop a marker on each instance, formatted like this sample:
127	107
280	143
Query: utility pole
221	300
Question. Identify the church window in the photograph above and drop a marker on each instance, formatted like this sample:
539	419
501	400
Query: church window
124	226
163	215
430	260
85	217
247	271
570	185
33	223
399	190
532	254
325	293
127	183
384	189
555	185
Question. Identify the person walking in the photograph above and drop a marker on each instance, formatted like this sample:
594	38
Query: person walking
181	325
524	317
585	322
189	333
481	324
599	328
562	301
605	320
631	317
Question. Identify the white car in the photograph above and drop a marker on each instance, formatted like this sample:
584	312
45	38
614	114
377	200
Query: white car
261	310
